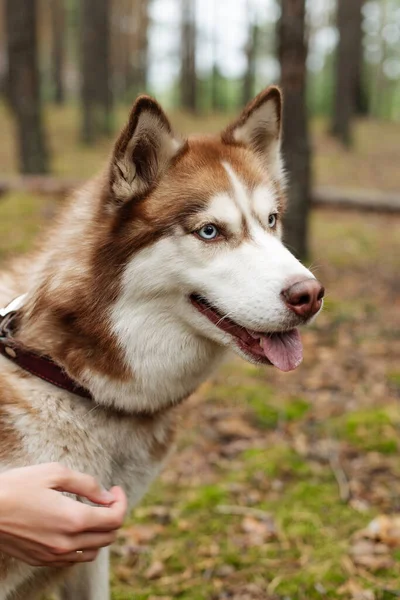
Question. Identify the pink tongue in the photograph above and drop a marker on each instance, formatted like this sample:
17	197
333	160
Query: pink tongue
284	350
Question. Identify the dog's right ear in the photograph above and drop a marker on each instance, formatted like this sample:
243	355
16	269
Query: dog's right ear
143	151
259	127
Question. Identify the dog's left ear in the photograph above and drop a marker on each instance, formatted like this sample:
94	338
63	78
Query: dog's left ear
259	127
143	151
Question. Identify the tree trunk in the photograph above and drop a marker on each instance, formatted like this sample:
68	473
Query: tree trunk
95	69
362	98
296	146
141	47
24	84
249	81
58	43
216	100
349	20
188	83
121	34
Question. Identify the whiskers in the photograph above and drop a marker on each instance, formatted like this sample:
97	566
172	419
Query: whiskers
226	324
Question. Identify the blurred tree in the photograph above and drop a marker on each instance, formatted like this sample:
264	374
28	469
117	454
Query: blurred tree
23	88
249	81
362	98
215	74
95	69
188	77
140	45
292	50
58	49
348	67
130	34
122	24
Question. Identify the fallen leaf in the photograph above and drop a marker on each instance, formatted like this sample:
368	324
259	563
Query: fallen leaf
233	428
355	591
258	532
141	534
374	563
155	570
385	529
123	573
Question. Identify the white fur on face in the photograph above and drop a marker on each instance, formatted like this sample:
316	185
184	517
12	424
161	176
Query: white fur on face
168	344
245	282
223	209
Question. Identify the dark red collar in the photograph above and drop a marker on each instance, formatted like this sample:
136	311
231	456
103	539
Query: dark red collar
29	360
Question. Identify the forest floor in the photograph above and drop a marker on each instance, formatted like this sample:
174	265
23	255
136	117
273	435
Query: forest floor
277	478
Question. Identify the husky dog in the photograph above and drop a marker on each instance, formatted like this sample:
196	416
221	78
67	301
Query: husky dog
158	266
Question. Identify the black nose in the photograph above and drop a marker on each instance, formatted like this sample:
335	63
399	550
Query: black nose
304	297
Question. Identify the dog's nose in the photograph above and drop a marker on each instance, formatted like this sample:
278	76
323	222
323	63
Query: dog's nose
304	297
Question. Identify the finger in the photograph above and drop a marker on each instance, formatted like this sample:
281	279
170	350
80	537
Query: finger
107	519
66	480
119	495
93	541
87	555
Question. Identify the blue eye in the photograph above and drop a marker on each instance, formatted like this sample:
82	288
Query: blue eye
208	232
272	219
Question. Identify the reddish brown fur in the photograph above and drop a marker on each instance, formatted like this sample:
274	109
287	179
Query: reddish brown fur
10	402
81	336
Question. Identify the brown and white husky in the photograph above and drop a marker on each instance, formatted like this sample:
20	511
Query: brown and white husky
158	266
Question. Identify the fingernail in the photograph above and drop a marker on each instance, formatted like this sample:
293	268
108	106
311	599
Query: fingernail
107	496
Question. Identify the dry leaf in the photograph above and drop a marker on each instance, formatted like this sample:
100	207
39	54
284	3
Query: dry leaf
356	591
258	532
373	563
234	428
141	534
155	570
123	573
386	529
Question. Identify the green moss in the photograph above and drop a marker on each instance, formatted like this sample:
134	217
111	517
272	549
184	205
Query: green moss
206	497
295	409
22	216
370	430
278	461
394	378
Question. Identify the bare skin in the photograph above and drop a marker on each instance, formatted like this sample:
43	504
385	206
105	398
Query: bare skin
42	527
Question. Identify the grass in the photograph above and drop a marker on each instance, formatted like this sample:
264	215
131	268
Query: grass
249	507
21	218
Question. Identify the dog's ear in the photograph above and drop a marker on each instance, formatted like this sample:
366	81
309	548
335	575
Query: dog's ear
259	127
143	151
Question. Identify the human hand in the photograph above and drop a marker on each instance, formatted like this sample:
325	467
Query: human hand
41	526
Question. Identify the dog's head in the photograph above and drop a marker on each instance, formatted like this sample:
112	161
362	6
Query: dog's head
200	222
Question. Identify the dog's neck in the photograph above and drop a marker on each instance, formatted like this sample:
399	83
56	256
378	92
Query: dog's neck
134	355
150	363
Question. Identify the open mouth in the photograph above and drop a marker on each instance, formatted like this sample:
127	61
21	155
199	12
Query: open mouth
283	349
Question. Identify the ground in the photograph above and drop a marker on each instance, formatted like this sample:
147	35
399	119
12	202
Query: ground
276	477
